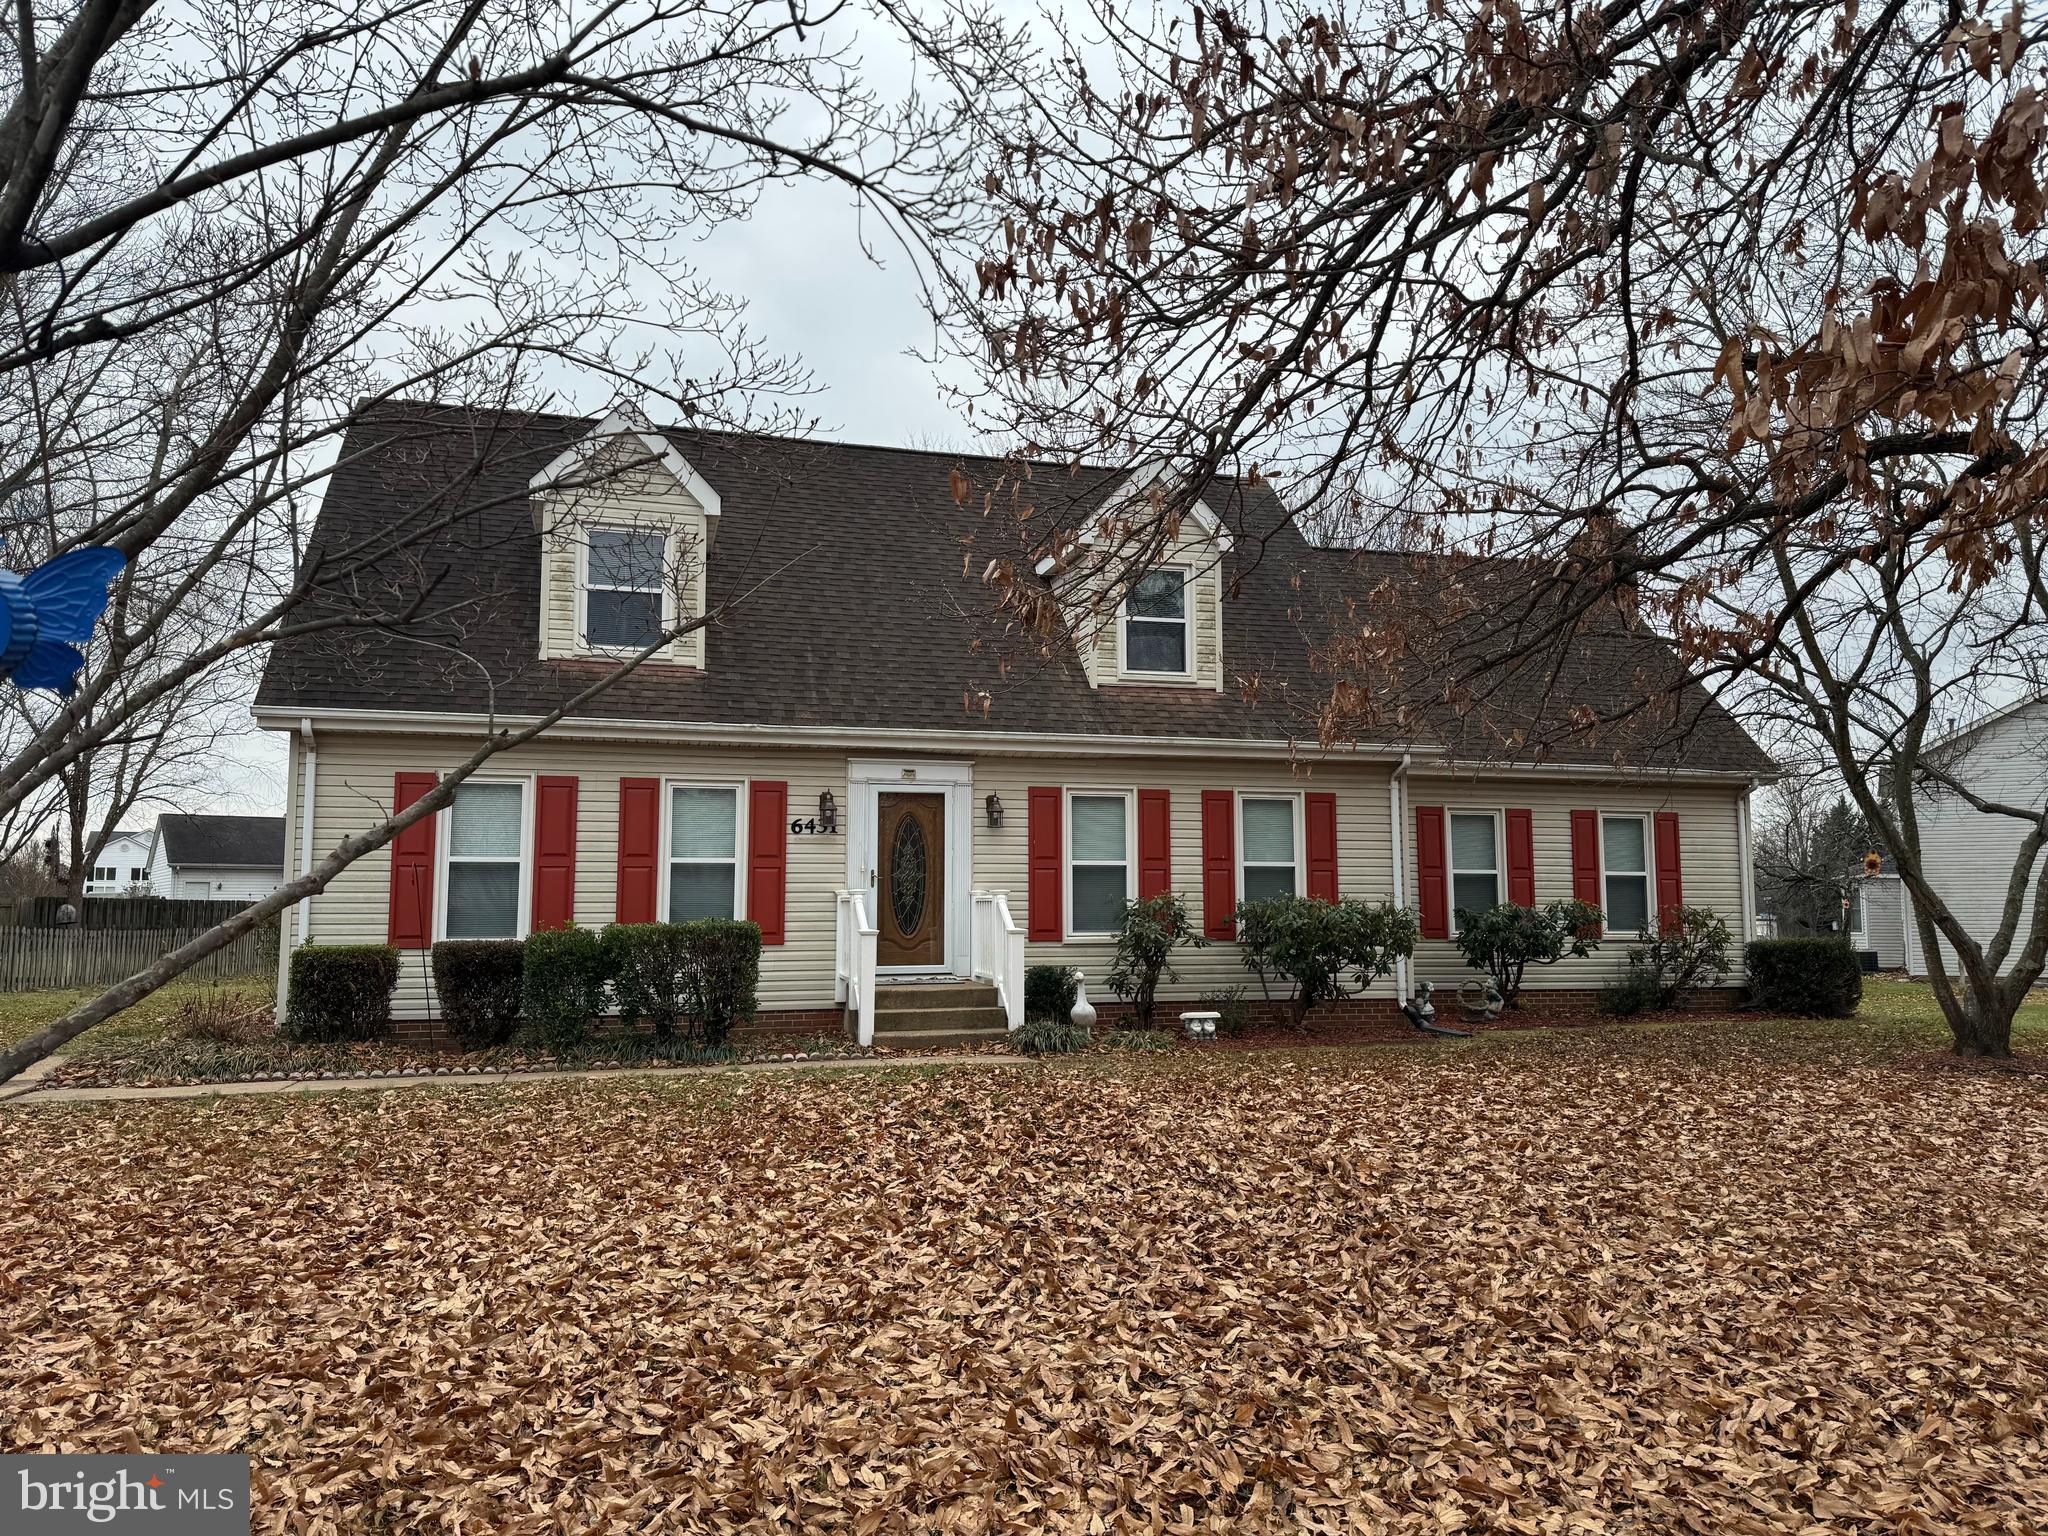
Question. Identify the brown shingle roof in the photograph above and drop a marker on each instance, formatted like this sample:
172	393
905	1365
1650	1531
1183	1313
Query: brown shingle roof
864	606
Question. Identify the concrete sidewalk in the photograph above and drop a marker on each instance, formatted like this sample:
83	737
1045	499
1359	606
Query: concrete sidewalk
34	1094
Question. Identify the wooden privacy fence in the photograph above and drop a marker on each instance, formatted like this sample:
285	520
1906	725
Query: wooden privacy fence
35	959
159	912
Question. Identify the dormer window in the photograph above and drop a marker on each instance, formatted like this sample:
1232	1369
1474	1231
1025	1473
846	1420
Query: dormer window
1155	624
622	587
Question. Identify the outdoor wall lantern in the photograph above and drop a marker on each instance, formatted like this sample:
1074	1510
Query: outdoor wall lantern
828	812
995	810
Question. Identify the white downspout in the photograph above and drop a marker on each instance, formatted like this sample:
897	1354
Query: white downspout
1396	781
1742	852
306	823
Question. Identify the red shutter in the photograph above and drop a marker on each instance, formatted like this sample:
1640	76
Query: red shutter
767	856
1586	860
412	867
1320	813
639	847
1670	888
554	852
1042	867
1219	864
1155	843
1431	888
1521	859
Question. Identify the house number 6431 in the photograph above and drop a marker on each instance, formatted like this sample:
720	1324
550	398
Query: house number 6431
802	824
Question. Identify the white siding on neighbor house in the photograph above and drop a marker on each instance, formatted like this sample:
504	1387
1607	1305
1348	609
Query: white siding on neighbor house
647	497
201	883
354	788
124	854
1968	856
1884	920
1710	868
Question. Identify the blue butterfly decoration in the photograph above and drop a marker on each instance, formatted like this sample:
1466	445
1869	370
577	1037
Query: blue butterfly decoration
47	614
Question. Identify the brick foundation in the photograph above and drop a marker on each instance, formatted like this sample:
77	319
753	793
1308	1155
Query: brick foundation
1351	1018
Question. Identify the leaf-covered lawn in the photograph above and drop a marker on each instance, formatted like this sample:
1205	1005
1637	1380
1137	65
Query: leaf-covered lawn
1641	1281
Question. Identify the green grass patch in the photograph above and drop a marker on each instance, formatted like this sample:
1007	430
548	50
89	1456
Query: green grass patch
23	1013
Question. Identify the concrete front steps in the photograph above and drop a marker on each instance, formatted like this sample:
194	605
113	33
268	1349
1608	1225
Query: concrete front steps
917	1016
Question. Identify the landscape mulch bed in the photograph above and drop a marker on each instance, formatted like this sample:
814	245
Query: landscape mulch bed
1600	1282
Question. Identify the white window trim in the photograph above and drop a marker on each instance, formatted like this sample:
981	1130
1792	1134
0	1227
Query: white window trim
1649	872
1130	800
1300	838
584	586
1187	620
444	851
1500	858
739	841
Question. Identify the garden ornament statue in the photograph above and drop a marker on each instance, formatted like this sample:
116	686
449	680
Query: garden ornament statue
47	614
1421	1012
1480	999
1084	1011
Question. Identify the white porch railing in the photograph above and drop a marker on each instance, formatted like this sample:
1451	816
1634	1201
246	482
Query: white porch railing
996	951
854	984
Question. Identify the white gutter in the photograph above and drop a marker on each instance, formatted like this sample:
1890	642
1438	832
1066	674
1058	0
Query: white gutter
1041	743
1397	781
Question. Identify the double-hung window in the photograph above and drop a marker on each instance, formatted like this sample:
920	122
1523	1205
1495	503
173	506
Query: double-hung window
1156	635
486	840
1099	862
622	587
1475	864
1269	837
703	851
1625	861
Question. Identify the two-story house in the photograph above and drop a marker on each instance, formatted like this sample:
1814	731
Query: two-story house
852	759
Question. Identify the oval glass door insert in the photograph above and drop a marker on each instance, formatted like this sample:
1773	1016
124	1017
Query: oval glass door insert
908	875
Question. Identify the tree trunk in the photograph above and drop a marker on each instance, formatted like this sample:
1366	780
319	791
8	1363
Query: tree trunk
1982	1021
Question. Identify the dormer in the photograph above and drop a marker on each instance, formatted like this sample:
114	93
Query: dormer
1140	617
626	525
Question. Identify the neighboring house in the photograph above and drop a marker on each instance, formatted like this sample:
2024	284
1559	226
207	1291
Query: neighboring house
837	761
1878	916
1876	919
217	858
1966	854
122	867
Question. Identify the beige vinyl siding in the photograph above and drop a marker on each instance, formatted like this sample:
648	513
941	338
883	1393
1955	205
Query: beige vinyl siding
1205	605
640	497
354	786
1097	623
1710	867
1364	853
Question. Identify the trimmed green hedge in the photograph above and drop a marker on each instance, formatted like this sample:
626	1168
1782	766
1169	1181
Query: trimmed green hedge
644	963
340	992
1049	992
562	986
1818	976
478	983
721	974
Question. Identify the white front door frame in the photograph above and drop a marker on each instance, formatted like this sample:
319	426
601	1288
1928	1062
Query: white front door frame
866	779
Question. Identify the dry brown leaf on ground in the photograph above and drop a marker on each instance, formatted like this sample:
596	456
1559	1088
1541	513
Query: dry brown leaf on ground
1595	1288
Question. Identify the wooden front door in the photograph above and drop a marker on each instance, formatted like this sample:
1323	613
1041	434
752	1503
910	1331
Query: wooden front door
910	879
